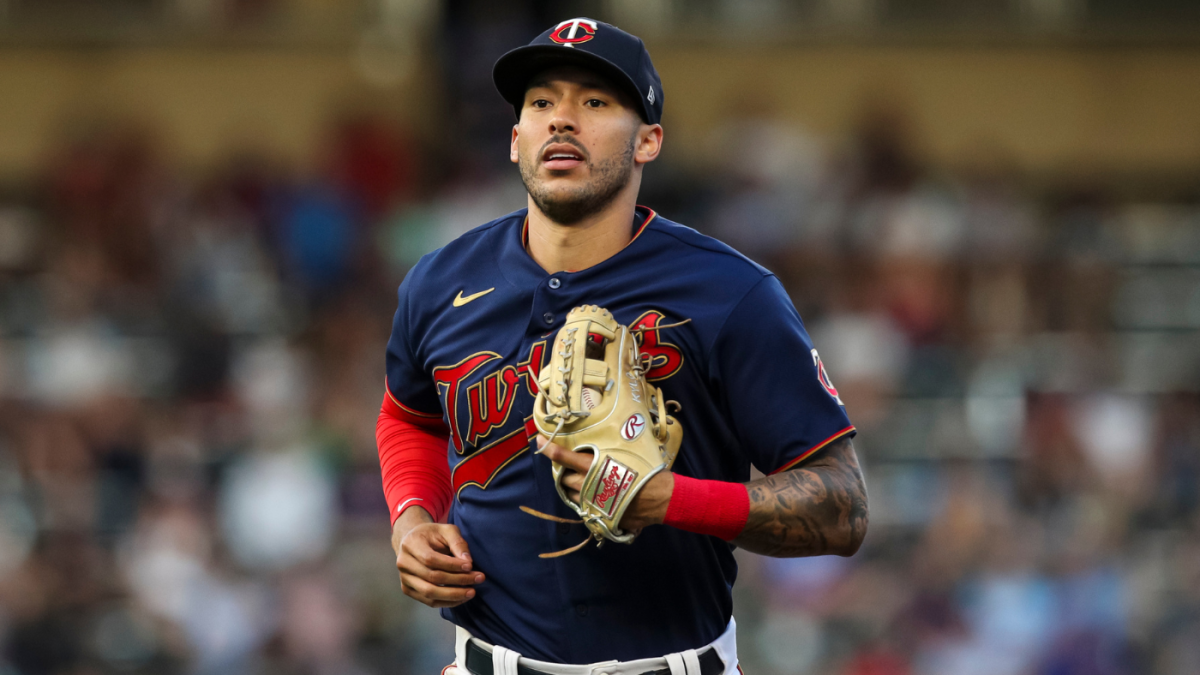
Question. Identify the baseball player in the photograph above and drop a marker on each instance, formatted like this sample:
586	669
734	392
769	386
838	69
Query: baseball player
475	325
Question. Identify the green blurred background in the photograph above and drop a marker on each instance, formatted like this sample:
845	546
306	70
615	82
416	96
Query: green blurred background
985	210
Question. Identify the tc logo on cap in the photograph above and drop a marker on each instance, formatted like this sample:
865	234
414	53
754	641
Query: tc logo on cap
572	36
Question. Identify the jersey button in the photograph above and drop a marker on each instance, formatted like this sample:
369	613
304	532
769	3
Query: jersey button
554	282
581	609
548	318
564	529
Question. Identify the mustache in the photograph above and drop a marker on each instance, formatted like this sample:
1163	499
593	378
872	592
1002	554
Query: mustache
569	140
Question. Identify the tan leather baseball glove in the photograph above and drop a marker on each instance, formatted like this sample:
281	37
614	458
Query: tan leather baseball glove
593	397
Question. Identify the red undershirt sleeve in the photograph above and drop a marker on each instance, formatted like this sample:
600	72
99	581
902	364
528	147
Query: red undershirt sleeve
412	459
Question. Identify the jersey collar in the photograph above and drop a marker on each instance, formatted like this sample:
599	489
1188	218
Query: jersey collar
641	213
522	270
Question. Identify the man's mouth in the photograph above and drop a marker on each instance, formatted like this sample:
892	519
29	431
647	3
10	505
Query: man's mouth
562	157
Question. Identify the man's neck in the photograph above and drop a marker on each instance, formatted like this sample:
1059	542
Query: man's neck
570	248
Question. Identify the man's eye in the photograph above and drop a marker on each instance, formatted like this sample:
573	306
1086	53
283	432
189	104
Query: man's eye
541	103
594	103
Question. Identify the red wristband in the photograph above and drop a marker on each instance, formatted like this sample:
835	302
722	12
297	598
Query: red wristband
708	507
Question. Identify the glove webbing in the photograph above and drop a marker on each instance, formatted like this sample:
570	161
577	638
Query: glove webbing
564	416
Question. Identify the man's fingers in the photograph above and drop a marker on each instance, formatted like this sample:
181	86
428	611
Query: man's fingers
409	565
434	587
576	461
431	549
435	596
573	481
437	578
451	579
456	544
440	561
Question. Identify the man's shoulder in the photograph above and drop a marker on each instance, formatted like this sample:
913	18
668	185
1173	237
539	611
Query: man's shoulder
697	251
471	248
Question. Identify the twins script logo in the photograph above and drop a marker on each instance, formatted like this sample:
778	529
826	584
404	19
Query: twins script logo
660	359
615	482
480	397
572	36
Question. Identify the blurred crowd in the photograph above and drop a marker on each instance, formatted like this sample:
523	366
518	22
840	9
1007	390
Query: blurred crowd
191	362
1022	363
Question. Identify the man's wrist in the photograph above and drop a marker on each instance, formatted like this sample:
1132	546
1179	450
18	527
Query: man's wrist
661	489
412	516
710	507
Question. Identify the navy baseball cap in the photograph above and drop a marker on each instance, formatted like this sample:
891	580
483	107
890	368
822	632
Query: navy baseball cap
591	44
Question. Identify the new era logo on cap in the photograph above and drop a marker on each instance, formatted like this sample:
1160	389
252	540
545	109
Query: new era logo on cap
568	33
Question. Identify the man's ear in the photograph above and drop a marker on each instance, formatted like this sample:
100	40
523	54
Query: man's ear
512	148
648	143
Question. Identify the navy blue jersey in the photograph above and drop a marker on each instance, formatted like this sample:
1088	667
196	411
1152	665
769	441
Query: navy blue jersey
471	333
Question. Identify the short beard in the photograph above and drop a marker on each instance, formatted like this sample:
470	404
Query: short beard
608	179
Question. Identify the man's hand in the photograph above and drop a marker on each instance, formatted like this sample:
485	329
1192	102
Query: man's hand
434	563
649	507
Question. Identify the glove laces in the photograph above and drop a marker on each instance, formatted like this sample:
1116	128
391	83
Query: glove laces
565	415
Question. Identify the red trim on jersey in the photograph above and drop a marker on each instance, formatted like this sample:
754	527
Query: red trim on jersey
399	410
645	222
412	462
640	230
809	453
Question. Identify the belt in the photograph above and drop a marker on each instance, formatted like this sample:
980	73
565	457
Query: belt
479	662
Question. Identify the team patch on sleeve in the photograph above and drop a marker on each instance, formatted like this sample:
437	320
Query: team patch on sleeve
823	378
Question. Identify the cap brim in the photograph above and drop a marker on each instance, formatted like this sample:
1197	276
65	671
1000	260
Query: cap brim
514	70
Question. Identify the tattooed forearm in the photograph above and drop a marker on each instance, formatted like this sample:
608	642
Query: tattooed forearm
817	509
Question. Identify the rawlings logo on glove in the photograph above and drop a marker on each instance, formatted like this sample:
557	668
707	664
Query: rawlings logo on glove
592	398
616	481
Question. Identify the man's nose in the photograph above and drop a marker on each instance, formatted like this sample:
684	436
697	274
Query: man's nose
564	119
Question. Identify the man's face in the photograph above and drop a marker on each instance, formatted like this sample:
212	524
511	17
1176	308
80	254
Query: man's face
577	143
